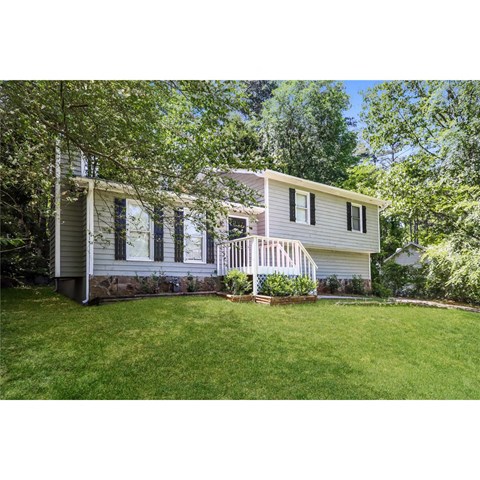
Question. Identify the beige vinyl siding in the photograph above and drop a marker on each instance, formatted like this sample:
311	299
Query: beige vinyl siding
258	184
73	237
342	264
104	262
72	222
330	231
253	181
261	224
71	165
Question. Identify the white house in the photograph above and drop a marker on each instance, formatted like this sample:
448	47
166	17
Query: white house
299	228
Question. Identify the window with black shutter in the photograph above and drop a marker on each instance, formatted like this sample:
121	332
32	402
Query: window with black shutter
292	204
302	206
139	231
349	216
356	217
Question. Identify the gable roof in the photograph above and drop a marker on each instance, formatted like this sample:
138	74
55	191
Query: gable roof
115	187
322	187
405	247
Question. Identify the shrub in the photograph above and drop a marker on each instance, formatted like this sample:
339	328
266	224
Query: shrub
304	285
395	276
380	290
404	280
278	285
237	282
358	286
151	284
333	283
192	283
453	271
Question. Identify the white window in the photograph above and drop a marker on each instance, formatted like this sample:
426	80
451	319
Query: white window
301	207
356	218
139	232
194	242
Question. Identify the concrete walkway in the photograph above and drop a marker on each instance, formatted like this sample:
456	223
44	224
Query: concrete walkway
428	303
341	297
424	303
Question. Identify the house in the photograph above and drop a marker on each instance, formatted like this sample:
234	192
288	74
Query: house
408	255
105	243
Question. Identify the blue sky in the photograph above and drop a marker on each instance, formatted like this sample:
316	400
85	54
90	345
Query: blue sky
354	87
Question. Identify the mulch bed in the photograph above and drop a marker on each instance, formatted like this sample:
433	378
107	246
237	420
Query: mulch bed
139	296
236	298
266	300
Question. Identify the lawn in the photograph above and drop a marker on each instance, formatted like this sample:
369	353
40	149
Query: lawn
206	347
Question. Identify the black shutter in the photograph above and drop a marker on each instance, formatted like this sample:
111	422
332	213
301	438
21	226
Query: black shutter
292	204
312	209
158	235
210	240
178	235
349	216
120	229
364	219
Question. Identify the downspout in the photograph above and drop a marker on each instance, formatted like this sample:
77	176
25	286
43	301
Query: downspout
57	212
89	244
266	202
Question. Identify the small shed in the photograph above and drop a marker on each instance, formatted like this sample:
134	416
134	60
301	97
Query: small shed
410	254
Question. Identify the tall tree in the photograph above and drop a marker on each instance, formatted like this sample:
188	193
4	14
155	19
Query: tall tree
258	92
304	132
433	177
440	119
164	138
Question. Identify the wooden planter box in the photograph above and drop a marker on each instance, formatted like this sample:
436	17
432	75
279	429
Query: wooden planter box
236	298
285	300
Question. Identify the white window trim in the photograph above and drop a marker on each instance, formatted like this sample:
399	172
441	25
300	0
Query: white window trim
307	194
204	244
361	218
138	259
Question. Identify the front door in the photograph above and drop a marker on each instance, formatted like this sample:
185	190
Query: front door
237	228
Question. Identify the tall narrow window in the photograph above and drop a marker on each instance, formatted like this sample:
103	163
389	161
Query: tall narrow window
356	218
301	207
138	232
194	246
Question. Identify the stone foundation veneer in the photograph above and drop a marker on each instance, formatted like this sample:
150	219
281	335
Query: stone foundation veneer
117	286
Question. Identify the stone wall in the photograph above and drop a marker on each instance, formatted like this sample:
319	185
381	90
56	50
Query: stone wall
114	286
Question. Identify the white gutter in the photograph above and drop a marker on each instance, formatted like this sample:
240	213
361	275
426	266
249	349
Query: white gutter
370	268
308	184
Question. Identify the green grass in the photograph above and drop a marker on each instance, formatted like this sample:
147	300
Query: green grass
206	347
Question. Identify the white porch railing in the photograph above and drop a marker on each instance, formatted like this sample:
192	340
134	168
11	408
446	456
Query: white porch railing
256	255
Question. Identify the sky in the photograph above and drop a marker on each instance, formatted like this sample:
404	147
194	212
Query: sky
354	87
